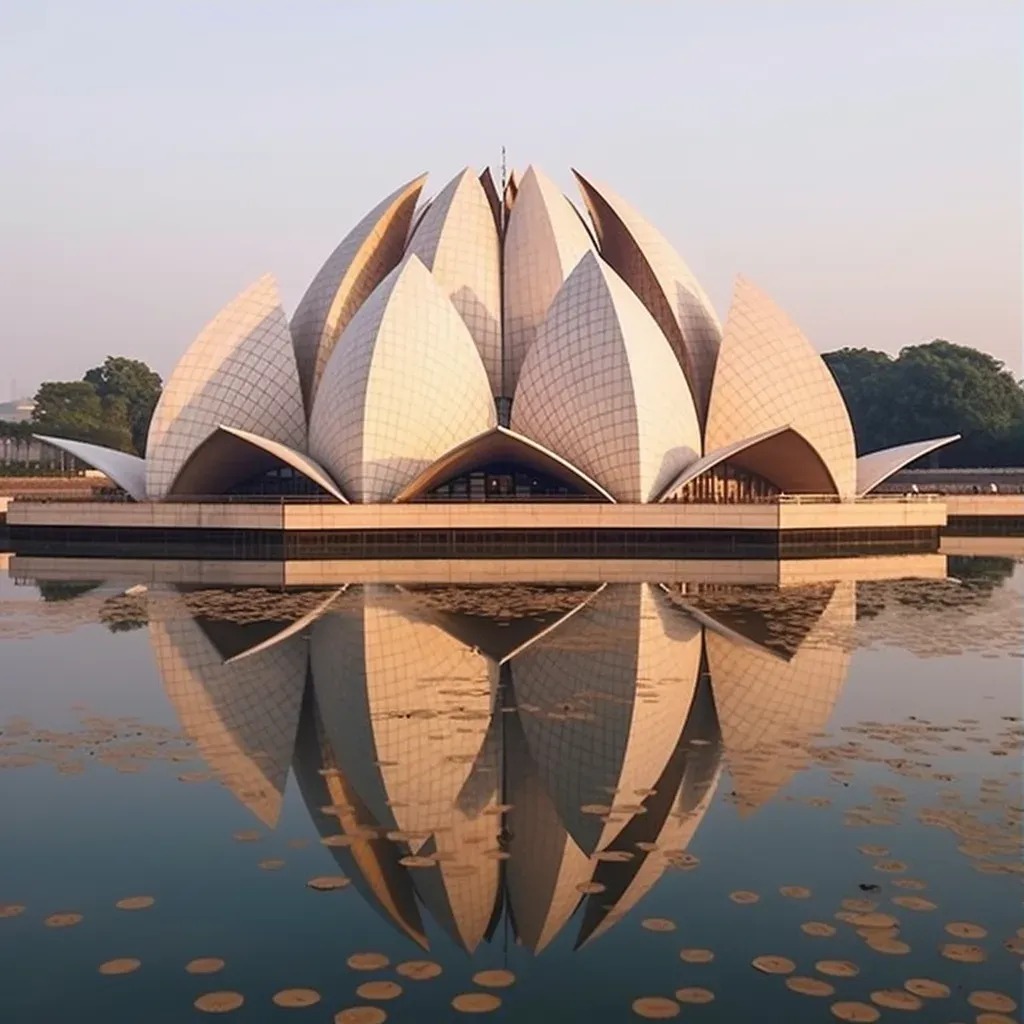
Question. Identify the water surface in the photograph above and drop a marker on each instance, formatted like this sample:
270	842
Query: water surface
569	781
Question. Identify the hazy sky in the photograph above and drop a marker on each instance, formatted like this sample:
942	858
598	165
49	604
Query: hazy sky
859	159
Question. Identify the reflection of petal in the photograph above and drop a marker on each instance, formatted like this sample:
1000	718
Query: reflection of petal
370	861
770	708
407	708
673	813
611	688
289	631
546	866
242	717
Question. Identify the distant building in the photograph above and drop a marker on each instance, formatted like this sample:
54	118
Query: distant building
17	411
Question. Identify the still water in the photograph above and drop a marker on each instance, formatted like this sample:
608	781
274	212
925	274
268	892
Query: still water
593	799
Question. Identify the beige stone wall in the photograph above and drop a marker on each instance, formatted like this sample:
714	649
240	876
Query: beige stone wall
484	516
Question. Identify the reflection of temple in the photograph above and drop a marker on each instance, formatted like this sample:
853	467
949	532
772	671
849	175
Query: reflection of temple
509	754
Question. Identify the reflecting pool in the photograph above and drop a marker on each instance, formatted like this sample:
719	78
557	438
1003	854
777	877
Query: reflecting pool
529	793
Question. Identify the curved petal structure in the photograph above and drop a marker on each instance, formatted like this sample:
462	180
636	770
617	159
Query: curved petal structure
127	471
781	456
544	241
769	375
601	387
607	695
404	385
239	372
876	467
458	243
770	708
366	255
661	280
229	456
500	443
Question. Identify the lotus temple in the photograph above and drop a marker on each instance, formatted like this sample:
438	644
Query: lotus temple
499	362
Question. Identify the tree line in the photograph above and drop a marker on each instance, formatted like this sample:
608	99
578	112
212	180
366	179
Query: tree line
111	406
930	390
926	391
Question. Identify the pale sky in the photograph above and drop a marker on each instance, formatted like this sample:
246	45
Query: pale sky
859	159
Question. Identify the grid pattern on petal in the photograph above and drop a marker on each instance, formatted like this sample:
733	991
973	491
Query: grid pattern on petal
239	372
770	709
544	241
602	388
405	385
603	700
365	256
242	717
769	375
458	242
662	281
408	708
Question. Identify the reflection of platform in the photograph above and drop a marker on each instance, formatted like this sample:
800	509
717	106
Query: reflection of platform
337	572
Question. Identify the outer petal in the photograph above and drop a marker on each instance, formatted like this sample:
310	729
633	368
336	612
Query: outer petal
544	241
127	471
769	375
239	372
780	455
229	456
874	468
404	386
771	707
500	442
458	243
242	717
611	688
602	388
642	256
366	255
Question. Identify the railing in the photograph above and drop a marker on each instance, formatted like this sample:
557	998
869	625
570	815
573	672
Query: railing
118	497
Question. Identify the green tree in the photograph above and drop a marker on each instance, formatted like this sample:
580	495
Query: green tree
135	383
861	374
73	409
930	390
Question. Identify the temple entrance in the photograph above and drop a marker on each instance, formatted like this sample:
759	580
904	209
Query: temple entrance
505	481
726	484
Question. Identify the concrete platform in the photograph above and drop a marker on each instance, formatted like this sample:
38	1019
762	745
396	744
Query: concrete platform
289	530
289	516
